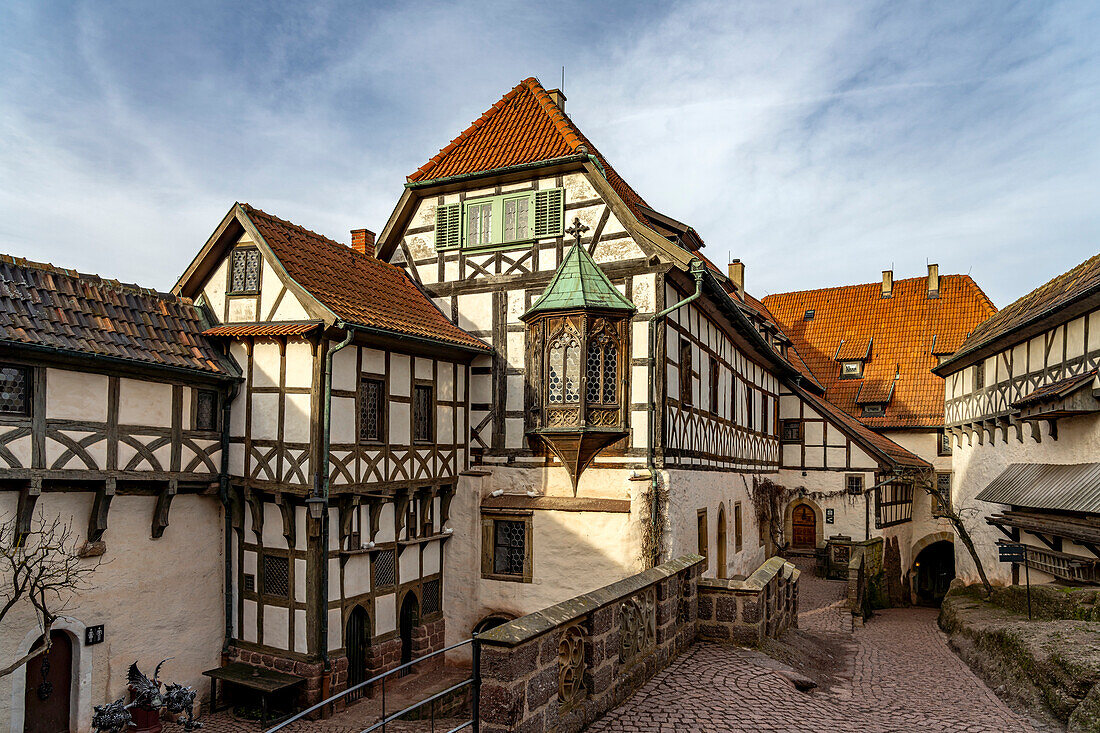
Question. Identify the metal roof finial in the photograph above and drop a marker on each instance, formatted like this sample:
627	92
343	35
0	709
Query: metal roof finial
577	230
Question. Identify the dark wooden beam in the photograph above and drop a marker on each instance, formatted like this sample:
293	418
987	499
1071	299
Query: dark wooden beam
286	511
28	497
160	513
101	505
256	508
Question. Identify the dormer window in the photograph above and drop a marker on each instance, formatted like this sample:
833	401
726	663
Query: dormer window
851	369
874	409
244	271
576	341
808	315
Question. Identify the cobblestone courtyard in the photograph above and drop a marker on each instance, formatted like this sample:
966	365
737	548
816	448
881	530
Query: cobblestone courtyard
898	675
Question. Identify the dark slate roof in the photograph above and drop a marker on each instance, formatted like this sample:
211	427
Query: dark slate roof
359	289
579	283
1073	487
1041	303
47	307
1056	390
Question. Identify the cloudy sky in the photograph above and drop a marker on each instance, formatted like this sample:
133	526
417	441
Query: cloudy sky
819	142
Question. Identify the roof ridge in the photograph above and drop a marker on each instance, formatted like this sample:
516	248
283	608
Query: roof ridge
874	284
557	115
254	210
92	278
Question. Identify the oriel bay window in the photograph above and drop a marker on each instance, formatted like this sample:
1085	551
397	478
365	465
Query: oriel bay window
576	342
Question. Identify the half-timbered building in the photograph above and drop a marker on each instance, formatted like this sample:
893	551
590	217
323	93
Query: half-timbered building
345	443
872	347
631	400
1023	413
111	423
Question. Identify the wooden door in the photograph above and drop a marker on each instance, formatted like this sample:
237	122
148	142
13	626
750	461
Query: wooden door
357	641
804	524
49	680
409	620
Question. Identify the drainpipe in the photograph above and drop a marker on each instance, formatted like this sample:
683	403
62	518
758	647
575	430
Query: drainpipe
697	270
321	483
223	494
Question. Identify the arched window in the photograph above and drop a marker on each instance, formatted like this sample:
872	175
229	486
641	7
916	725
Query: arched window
563	377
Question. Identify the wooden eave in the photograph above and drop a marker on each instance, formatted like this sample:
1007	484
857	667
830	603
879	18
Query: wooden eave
1082	529
83	361
393	341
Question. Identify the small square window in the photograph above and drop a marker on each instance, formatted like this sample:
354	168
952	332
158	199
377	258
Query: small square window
874	409
423	413
854	484
808	315
244	272
206	409
792	431
14	390
276	576
945	443
506	547
851	369
372	411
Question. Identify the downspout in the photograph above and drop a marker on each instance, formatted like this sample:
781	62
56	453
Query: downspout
223	494
697	270
321	483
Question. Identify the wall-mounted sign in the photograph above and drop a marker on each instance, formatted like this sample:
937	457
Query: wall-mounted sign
93	635
828	516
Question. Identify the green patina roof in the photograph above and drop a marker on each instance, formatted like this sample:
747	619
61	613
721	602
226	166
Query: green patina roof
579	283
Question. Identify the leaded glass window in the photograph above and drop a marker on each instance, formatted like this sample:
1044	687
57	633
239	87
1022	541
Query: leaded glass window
515	219
14	390
385	568
276	576
594	372
245	271
509	546
432	598
573	373
600	371
206	410
371	406
610	368
422	413
479	224
564	373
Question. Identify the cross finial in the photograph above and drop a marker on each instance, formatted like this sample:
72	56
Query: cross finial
577	230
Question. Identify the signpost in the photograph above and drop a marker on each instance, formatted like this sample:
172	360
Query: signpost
1013	552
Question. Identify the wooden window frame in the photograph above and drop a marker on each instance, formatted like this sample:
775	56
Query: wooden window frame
264	593
750	417
848	477
419	385
195	393
890	510
242	251
703	536
738	529
686	372
733	398
383	423
846	363
488	544
715	371
871	409
784	424
937	509
496	225
28	390
944	447
979	376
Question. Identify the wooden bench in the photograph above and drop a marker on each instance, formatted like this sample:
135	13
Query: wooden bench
266	682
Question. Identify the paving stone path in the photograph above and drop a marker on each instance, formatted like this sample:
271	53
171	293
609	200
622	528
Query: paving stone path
899	677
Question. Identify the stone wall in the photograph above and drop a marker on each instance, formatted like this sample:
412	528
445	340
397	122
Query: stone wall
563	667
865	577
746	611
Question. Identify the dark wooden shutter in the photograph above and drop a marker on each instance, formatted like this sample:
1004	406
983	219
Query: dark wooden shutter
549	212
448	226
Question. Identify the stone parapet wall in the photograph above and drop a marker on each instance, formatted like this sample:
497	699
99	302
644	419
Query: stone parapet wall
313	672
747	611
563	667
865	581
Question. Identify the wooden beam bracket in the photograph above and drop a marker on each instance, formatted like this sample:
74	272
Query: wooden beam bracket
164	504
286	510
101	505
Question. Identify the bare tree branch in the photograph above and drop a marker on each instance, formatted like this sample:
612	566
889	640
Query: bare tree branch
945	508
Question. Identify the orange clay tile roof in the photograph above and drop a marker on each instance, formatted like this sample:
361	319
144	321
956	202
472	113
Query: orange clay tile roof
793	356
263	329
909	331
47	307
525	126
877	444
359	289
1076	284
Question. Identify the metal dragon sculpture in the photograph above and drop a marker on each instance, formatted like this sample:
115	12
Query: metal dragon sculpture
175	700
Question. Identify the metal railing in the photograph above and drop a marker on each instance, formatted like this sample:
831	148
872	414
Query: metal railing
474	682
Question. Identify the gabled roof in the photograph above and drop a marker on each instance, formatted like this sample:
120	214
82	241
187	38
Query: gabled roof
579	283
48	308
356	288
903	333
1041	303
525	126
877	445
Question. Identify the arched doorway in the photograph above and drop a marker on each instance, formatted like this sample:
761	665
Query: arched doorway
409	619
48	693
934	569
803	527
721	570
357	646
491	621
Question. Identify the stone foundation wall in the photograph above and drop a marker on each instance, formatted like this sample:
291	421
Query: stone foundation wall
313	672
746	611
563	667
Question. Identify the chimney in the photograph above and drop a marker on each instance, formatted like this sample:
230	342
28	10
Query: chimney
737	275
933	281
558	97
362	240
887	283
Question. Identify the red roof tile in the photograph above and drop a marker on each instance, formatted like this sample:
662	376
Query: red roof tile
359	289
43	306
262	329
909	331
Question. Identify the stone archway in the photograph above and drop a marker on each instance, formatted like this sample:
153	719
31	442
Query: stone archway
811	521
80	708
932	568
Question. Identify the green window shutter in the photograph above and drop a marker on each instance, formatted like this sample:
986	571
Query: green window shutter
448	226
549	212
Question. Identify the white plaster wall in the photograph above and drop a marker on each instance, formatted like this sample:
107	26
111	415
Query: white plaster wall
156	598
72	395
144	403
975	466
850	513
690	491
